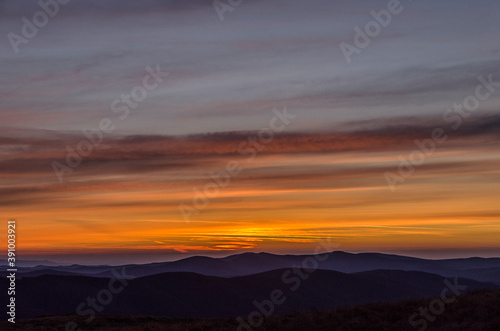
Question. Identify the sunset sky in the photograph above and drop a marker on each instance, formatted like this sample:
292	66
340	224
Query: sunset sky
322	175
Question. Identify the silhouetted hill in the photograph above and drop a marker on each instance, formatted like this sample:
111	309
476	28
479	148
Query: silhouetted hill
194	295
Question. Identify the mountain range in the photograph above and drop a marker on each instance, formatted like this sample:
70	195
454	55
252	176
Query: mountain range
480	269
198	287
184	294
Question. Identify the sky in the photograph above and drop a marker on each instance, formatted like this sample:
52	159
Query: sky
155	130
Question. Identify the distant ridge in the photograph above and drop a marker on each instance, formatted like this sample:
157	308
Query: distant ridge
32	263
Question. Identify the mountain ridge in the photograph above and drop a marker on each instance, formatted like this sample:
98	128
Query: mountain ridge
481	269
187	294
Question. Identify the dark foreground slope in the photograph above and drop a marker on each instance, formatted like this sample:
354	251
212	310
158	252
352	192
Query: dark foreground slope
194	295
478	311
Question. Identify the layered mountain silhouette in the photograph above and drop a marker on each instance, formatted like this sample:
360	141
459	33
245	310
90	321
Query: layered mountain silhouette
480	269
185	294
